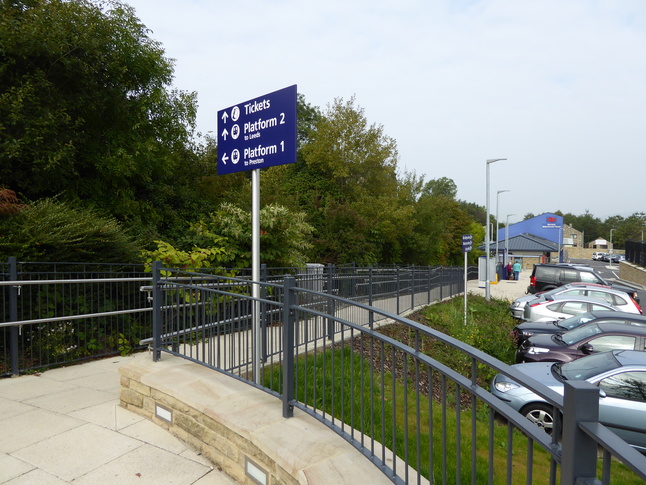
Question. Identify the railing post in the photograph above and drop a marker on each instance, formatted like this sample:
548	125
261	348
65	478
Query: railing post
288	347
441	283
13	317
579	451
412	284
157	310
398	288
263	312
371	316
330	301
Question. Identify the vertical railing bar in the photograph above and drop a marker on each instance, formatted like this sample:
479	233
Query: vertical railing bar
288	347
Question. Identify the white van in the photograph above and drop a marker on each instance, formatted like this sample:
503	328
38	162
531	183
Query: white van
596	256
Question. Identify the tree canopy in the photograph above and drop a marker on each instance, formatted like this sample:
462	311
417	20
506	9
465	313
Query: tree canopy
90	126
86	111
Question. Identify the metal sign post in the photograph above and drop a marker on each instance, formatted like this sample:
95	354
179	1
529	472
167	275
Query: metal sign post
256	134
467	245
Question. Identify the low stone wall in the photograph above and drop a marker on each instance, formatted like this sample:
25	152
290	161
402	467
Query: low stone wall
240	428
634	274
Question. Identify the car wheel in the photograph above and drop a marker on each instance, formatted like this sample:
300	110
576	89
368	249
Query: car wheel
542	415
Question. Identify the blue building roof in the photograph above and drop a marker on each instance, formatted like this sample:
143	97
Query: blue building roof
546	226
528	243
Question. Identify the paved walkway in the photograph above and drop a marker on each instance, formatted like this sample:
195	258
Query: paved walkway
66	426
504	290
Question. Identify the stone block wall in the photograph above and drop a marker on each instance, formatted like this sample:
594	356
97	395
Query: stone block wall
632	273
232	424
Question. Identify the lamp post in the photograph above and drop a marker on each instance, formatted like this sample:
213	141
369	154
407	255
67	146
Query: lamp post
488	237
497	201
507	236
611	248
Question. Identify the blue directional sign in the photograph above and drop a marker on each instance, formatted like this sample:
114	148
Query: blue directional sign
258	133
467	243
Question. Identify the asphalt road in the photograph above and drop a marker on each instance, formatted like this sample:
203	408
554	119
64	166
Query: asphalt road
608	272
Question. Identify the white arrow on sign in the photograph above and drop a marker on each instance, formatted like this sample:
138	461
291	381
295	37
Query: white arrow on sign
225	116
224	158
225	133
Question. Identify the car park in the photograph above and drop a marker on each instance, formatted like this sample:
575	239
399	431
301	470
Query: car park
546	277
559	307
584	340
620	376
618	298
525	330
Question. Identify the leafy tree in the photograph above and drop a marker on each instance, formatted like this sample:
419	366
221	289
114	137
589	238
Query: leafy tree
439	225
591	226
86	112
442	187
224	239
346	182
50	230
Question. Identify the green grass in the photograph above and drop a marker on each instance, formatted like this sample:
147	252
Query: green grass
342	380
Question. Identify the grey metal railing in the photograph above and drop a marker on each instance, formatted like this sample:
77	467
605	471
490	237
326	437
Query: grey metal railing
341	361
57	313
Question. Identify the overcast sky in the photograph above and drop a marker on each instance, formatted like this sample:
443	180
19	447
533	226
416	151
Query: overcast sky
558	87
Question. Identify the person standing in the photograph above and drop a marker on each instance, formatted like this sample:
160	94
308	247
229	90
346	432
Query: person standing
517	270
508	270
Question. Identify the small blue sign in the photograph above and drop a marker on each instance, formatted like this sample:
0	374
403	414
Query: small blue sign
258	133
467	243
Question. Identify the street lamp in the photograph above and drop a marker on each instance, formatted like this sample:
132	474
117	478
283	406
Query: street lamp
497	201
611	248
488	237
507	237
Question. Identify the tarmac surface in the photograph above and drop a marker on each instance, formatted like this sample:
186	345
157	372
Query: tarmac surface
66	426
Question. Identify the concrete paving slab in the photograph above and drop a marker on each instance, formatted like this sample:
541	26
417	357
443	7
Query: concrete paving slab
29	428
145	466
104	381
13	408
76	452
29	387
110	415
94	368
155	435
36	477
11	467
70	400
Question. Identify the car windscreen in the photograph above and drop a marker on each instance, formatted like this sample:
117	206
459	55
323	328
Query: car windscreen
576	320
578	334
589	366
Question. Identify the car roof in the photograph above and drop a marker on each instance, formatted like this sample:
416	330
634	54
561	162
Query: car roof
586	299
576	284
618	328
630	357
604	288
599	314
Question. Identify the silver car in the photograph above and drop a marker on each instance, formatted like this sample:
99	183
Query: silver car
619	374
617	298
558	307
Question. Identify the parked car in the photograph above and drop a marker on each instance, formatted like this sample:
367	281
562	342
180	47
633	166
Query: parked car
546	277
558	307
584	340
620	376
596	256
618	298
525	330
